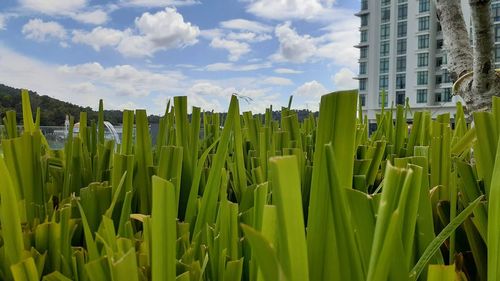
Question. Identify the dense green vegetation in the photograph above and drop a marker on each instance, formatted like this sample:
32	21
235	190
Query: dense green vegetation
254	198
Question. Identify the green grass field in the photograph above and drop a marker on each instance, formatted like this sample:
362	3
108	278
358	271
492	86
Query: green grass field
254	198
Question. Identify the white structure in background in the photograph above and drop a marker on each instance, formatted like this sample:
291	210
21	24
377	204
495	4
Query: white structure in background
110	132
66	125
401	51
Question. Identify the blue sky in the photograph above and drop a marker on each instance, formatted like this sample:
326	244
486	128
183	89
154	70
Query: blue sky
140	53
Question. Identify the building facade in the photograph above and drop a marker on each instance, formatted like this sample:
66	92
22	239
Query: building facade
402	55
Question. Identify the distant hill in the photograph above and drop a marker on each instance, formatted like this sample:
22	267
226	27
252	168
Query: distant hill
53	111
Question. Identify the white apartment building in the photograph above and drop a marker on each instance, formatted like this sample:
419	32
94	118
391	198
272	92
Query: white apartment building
401	52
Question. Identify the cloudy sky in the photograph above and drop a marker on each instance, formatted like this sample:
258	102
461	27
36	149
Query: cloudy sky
140	53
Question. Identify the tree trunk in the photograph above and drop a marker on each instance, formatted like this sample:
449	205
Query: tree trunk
478	88
485	82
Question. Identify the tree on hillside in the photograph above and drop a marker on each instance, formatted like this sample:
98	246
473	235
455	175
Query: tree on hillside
472	67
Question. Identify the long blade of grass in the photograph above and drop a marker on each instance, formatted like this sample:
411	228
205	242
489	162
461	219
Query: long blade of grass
163	230
350	267
337	119
11	222
293	248
442	236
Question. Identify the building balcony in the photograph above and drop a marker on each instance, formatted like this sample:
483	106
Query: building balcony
362	12
361	44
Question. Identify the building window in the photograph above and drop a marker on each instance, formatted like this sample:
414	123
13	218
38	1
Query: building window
438	27
402	29
364	20
383	95
364	35
362	68
400	81
401	47
497	53
402	12
384	49
422	78
400	97
423	6
423	59
439	61
401	64
439	44
423	23
386	2
437	97
364	4
384	65
495	11
385	32
363	52
362	84
422	96
362	99
383	82
385	14
446	76
497	32
423	41
439	79
447	95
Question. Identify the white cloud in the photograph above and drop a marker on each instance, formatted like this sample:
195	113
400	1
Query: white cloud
129	105
78	10
85	84
96	17
235	36
278	81
21	71
83	88
166	27
234	67
290	9
246	25
54	7
126	86
236	49
293	47
308	95
336	44
248	36
215	95
157	3
310	89
160	31
287	71
38	30
99	37
3	21
156	32
343	79
211	33
126	80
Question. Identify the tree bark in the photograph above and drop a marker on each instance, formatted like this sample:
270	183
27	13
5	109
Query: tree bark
478	88
485	82
456	41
